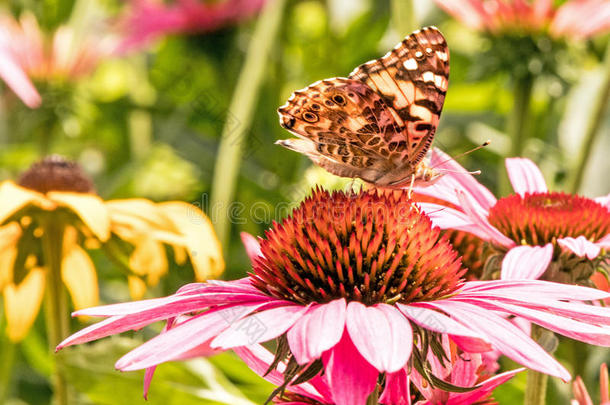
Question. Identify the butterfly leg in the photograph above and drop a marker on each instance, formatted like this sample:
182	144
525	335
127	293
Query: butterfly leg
410	189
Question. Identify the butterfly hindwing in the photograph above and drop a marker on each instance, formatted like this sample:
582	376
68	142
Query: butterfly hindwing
343	126
412	79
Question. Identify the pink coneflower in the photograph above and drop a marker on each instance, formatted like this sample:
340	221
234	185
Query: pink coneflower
459	369
352	284
574	18
581	396
28	54
559	236
147	20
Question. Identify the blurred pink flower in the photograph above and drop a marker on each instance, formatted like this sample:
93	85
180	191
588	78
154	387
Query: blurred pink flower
574	18
530	225
349	282
27	53
461	369
581	396
147	20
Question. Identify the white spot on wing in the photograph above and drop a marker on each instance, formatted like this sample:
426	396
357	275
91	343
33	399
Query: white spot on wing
428	77
410	64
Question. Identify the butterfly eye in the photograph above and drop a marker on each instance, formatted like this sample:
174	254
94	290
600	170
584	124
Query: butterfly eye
310	117
339	99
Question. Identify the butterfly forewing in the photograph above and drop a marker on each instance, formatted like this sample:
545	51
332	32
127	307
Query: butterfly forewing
412	78
379	123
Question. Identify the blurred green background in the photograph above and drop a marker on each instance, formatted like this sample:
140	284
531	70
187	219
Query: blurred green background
148	123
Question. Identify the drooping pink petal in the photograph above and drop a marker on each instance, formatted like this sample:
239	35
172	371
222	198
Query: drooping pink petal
485	389
438	322
526	262
259	327
175	342
396	390
504	336
525	176
148	375
580	246
491	233
382	335
585	332
253	248
317	331
529	288
350	376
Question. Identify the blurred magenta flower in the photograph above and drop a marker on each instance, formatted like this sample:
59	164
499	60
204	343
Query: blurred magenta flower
532	226
461	369
28	53
346	284
581	396
573	18
147	20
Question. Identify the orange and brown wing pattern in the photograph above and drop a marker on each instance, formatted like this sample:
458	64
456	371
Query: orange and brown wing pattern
412	79
345	127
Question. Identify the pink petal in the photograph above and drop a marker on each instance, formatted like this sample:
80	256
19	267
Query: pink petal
148	375
437	322
580	246
528	288
16	78
317	331
382	335
481	221
585	332
484	390
350	376
396	390
457	178
253	248
526	262
604	200
175	342
504	336
525	176
259	327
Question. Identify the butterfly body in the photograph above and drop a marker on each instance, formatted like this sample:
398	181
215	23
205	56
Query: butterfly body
378	123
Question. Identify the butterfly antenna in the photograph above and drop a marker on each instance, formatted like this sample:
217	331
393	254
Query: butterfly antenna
476	172
484	144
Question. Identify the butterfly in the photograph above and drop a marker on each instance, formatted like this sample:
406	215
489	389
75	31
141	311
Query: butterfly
379	122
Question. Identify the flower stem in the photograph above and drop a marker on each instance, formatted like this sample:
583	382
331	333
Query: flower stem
241	110
595	121
536	382
517	125
7	358
55	302
403	15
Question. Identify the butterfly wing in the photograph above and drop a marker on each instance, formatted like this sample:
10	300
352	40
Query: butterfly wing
412	79
379	123
344	127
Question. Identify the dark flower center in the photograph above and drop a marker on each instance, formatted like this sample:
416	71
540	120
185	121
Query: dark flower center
369	247
54	173
540	218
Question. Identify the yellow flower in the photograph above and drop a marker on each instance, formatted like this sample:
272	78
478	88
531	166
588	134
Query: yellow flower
50	218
